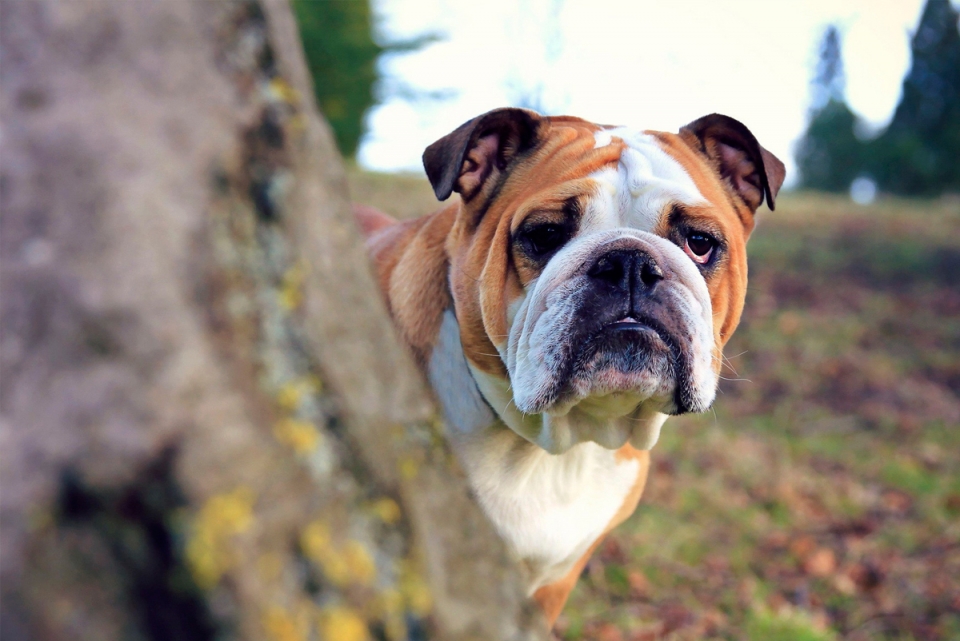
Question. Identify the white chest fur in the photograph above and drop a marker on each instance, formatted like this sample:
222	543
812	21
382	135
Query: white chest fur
548	508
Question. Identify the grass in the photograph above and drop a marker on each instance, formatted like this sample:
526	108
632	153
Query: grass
820	500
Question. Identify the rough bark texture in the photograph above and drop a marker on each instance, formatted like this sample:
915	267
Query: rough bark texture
209	430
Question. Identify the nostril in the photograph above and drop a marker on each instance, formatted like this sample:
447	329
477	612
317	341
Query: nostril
627	269
607	268
650	273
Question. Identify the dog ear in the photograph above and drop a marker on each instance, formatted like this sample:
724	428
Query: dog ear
463	160
752	171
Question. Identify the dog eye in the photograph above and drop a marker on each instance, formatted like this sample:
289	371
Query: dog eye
544	239
700	246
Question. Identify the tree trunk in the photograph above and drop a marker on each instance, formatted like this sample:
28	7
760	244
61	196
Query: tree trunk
209	429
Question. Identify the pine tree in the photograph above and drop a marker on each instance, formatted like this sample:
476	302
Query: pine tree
829	81
829	155
342	57
919	152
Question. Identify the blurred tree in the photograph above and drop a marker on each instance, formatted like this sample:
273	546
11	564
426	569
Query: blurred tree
918	153
829	81
829	156
184	450
342	57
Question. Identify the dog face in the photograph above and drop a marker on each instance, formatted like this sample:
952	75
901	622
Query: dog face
597	272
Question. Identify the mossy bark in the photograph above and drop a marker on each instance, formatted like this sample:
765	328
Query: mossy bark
209	429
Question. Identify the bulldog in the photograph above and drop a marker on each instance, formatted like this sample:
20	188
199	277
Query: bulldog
578	292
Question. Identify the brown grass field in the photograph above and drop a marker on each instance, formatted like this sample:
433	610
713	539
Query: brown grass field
820	499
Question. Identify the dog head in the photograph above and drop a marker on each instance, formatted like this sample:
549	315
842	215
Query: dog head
596	271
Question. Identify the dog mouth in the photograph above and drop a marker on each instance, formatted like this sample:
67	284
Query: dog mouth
628	324
633	354
630	333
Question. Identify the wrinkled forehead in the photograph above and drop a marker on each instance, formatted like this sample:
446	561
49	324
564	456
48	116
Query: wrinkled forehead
643	185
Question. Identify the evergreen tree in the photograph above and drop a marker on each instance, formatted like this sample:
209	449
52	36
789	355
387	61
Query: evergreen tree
829	81
919	154
829	156
342	57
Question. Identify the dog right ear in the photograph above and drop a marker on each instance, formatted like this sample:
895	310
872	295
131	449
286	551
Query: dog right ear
463	160
750	170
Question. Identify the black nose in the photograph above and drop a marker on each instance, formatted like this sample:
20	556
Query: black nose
632	271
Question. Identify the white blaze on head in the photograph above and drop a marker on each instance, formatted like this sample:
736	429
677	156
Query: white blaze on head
647	179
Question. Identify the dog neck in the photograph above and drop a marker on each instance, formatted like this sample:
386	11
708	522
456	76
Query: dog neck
522	487
474	401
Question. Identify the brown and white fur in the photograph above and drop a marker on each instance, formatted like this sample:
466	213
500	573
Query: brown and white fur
579	291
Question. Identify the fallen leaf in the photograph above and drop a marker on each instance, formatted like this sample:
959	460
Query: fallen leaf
820	563
845	584
803	546
639	584
897	501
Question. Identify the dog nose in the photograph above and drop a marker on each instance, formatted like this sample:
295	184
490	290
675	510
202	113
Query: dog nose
632	271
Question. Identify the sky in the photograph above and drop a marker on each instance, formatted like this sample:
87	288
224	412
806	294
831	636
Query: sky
649	64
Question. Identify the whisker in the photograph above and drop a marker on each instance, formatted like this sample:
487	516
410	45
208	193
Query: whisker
744	380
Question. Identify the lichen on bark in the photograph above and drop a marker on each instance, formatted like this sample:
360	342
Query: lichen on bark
209	428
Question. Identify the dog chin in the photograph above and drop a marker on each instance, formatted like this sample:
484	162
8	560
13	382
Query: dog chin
612	395
611	374
640	363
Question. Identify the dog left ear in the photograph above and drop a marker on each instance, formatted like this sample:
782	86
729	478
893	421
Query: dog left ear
749	169
464	159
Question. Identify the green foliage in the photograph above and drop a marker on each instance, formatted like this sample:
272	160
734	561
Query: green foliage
763	626
830	156
918	153
342	56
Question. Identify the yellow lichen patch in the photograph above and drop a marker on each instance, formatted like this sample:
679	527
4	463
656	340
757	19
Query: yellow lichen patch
316	541
436	425
350	563
302	436
233	512
209	550
289	396
335	568
207	563
291	393
388	602
280	89
270	565
388	607
395	627
387	510
280	625
359	562
342	624
318	546
414	590
291	288
409	468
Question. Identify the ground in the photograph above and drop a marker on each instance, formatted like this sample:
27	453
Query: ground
820	499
